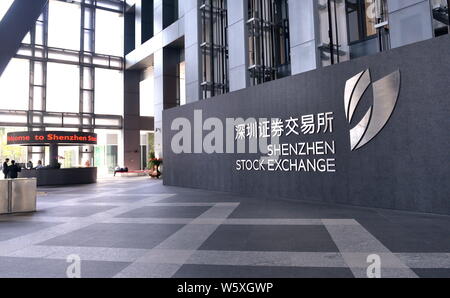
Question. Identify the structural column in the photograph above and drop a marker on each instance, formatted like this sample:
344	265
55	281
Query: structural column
410	21
131	132
53	153
303	26
165	88
238	44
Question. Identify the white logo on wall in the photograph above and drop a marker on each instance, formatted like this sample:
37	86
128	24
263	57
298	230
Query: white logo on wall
385	95
310	144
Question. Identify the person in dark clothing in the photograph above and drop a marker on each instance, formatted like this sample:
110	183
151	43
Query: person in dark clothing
5	167
13	170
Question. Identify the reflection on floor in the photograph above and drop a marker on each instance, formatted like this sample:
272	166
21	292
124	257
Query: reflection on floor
136	227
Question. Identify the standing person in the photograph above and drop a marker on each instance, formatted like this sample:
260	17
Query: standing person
13	170
5	167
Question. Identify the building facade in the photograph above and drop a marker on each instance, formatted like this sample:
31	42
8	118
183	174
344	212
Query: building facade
197	49
112	66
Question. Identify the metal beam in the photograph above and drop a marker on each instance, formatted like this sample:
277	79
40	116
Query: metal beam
17	22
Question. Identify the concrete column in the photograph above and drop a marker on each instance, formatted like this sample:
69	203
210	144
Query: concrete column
165	88
53	154
131	131
410	21
238	44
158	98
303	26
192	40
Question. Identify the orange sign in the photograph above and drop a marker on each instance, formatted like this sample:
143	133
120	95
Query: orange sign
51	137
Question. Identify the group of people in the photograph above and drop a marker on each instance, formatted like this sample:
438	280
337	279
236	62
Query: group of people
11	171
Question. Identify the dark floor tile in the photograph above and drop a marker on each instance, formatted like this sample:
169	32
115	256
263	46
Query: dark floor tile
411	235
165	212
196	197
14	229
144	236
432	273
43	268
289	209
208	271
271	238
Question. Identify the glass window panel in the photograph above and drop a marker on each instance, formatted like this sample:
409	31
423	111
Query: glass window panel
64	56
370	18
63	88
353	20
107	122
108	92
87	78
24	51
109	35
39	37
27	38
87	102
68	157
17	153
37	98
64	25
71	121
38	73
14	85
14	118
52	120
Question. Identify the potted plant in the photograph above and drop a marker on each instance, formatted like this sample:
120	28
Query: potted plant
154	164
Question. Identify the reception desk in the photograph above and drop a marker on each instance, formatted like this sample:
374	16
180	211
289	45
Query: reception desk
56	177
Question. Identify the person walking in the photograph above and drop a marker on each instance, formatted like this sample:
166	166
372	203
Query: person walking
5	167
14	170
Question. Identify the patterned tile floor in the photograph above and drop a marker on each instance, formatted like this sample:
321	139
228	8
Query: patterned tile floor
135	227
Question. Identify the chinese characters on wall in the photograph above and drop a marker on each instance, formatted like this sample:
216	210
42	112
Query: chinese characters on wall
301	156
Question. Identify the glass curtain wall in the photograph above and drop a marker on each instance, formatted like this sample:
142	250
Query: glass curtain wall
68	74
17	153
269	45
352	28
441	17
214	48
